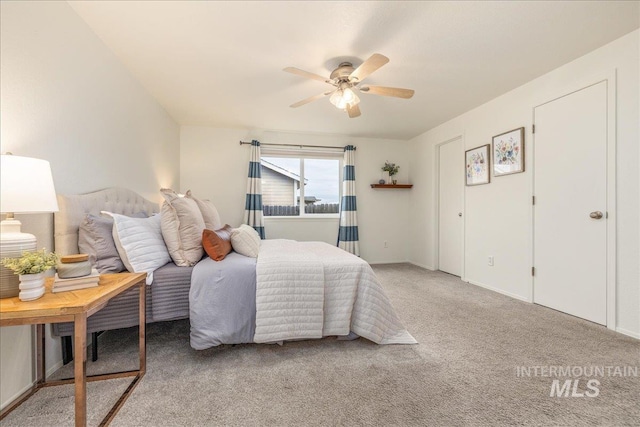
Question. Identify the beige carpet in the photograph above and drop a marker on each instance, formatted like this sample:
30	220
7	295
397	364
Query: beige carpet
463	372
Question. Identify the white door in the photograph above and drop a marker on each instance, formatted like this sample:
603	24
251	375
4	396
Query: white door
570	188
451	185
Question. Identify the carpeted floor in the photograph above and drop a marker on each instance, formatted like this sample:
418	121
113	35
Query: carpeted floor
463	371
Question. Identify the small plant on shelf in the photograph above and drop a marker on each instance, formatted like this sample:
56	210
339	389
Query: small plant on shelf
31	262
392	169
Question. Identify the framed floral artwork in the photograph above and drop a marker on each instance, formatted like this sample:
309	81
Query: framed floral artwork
508	152
477	165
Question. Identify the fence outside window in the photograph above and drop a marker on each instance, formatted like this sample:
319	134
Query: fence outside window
324	208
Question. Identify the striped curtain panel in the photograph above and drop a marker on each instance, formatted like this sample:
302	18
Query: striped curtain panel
253	202
348	234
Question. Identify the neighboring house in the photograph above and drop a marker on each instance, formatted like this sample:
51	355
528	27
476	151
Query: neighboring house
309	200
279	186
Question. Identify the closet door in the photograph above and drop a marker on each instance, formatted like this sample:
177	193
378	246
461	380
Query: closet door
450	197
570	187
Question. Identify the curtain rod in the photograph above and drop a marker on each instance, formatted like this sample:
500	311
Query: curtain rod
296	145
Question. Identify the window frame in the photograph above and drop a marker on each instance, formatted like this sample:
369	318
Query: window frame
301	155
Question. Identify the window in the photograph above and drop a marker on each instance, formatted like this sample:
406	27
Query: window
301	186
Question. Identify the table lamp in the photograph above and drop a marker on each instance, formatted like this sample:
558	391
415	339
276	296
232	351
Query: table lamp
26	186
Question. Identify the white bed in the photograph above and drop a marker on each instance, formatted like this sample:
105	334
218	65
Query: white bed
294	290
170	288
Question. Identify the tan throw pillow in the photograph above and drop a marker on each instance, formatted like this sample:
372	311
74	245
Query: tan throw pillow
217	244
209	212
182	226
246	241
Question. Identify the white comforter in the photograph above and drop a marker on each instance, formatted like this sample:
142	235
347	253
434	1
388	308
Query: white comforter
312	289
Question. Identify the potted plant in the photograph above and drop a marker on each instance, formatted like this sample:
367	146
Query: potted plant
392	169
31	267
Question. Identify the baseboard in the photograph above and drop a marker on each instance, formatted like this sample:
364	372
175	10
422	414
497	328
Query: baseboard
426	267
623	331
28	387
500	291
11	399
54	368
628	333
388	262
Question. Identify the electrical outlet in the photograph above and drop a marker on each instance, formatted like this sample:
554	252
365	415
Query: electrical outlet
385	244
491	260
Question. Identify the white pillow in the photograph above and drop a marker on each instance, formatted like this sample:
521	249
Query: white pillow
246	241
209	212
182	225
140	244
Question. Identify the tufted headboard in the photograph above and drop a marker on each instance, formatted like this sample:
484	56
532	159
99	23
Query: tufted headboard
74	208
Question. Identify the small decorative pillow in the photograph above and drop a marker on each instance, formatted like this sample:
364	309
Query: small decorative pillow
95	237
246	241
182	226
209	212
217	244
140	244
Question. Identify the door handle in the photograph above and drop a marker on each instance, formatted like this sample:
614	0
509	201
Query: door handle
596	215
459	213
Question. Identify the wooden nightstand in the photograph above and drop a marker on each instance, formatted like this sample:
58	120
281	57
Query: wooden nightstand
76	306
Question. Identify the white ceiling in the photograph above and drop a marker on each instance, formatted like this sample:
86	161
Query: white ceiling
220	63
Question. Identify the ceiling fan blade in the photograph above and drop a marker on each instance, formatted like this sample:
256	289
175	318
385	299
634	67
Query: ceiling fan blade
374	62
310	99
388	91
306	74
353	111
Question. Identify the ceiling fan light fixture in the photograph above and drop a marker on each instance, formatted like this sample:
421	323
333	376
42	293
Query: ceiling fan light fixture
348	95
337	99
343	97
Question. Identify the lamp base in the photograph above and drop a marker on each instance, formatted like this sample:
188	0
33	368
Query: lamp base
12	244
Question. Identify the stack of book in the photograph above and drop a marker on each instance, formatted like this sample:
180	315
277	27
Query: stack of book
75	283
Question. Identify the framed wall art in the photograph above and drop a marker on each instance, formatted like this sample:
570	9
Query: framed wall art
477	165
508	152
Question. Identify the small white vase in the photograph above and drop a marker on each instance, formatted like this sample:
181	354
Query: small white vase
31	286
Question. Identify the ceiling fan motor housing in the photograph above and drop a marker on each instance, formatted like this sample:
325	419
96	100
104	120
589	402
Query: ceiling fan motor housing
343	72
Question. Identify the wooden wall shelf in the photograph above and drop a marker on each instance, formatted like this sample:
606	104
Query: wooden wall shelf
391	185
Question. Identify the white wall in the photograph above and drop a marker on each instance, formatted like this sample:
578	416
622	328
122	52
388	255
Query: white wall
488	215
68	100
213	165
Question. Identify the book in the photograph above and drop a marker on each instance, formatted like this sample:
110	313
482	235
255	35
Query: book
74	287
94	274
75	283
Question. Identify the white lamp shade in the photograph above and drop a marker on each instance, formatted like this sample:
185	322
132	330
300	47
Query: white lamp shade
348	95
26	185
336	97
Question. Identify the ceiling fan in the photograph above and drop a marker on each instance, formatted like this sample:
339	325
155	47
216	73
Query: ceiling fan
347	81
